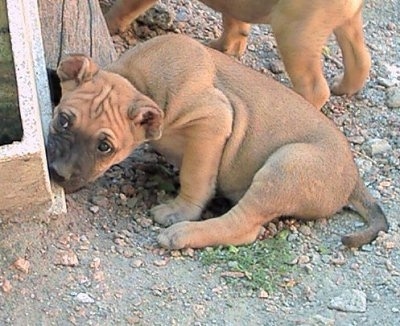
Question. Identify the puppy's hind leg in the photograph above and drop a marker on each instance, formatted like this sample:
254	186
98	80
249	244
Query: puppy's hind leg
356	58
291	183
241	225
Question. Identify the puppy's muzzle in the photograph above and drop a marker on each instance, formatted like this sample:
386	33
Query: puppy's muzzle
57	174
62	162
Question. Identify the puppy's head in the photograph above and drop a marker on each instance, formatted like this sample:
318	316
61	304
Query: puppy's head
100	120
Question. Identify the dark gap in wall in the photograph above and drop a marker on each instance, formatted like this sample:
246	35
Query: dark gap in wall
10	117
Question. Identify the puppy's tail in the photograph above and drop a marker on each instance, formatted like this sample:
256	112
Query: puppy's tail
372	213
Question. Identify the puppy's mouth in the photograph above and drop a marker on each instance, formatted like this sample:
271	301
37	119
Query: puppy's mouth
55	176
72	189
70	185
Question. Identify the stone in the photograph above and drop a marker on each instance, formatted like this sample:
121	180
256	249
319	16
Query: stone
94	209
6	286
386	82
393	97
322	321
305	230
350	301
391	26
263	294
356	139
22	265
66	258
303	259
183	14
136	263
277	67
84	298
378	146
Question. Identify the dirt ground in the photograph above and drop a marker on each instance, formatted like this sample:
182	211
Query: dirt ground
100	264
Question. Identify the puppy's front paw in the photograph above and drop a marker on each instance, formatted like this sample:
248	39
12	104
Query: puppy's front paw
115	23
337	86
174	212
341	86
175	237
165	215
234	49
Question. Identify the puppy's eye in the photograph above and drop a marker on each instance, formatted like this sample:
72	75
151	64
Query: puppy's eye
63	121
104	147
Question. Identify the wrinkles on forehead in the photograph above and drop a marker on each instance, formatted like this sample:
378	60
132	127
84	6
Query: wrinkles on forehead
96	102
88	99
98	108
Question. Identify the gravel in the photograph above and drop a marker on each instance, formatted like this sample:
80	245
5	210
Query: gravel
100	263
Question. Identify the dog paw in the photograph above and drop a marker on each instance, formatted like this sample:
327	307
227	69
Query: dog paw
174	212
233	49
337	86
340	86
175	237
165	215
113	26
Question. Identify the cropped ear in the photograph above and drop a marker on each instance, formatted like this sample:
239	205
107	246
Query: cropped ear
76	69
147	120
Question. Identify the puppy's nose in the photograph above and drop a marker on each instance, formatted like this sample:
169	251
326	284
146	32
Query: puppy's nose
57	174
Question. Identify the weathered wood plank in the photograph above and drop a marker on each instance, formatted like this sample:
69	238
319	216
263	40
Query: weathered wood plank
74	27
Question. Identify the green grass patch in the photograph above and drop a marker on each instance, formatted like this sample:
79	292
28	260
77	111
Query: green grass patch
261	265
323	249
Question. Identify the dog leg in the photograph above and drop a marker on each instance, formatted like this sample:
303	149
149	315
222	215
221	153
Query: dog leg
123	12
198	173
302	58
233	228
356	58
197	178
233	40
241	225
287	185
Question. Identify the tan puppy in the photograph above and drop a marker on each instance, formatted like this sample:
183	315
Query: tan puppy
226	126
301	29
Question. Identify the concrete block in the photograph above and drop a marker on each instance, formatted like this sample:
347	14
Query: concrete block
24	181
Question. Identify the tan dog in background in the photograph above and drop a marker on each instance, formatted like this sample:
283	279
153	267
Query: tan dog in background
301	29
227	128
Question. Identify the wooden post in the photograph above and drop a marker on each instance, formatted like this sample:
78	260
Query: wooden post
71	26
